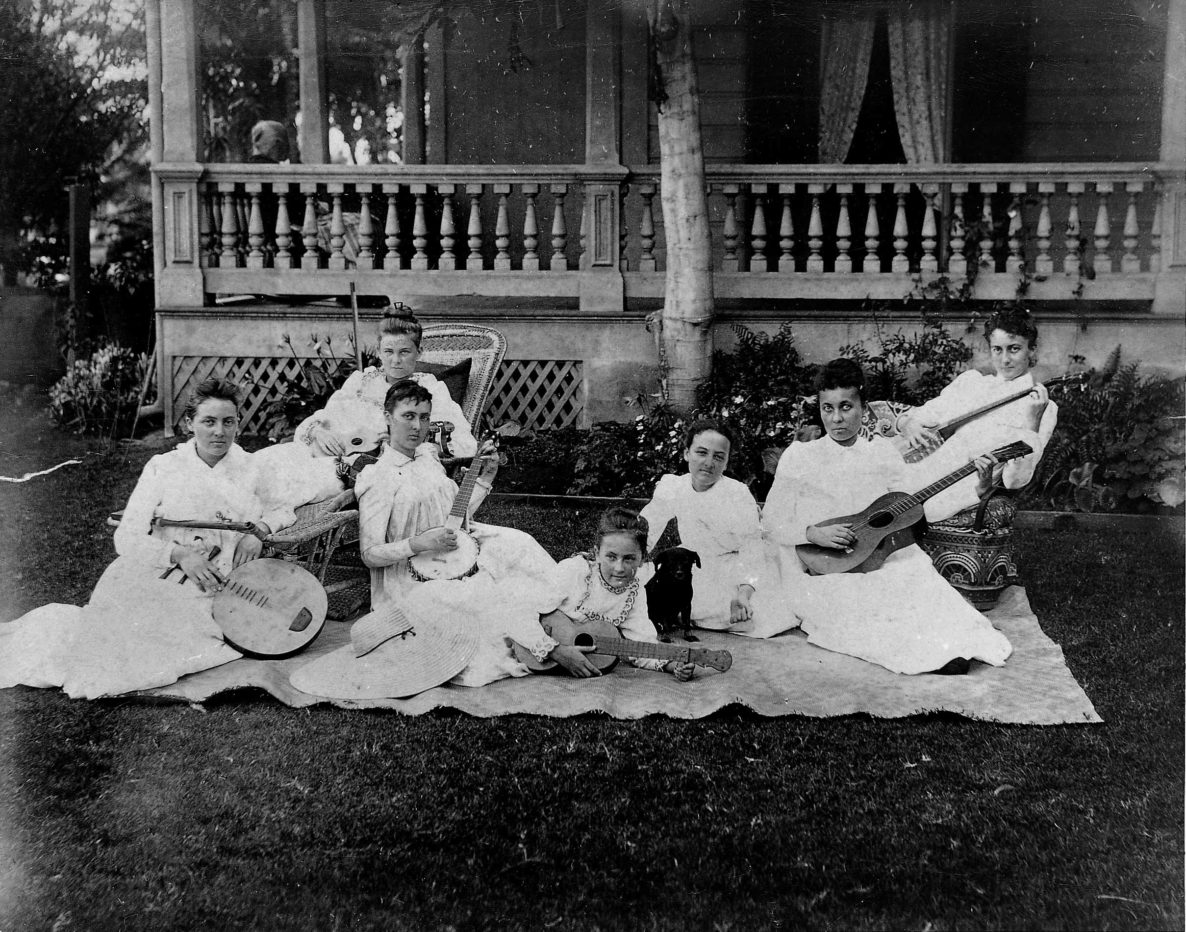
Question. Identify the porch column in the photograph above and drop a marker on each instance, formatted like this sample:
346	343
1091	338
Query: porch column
314	138
179	282
412	100
1171	282
602	287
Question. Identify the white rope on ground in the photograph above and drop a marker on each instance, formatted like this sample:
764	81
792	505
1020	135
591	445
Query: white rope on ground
44	472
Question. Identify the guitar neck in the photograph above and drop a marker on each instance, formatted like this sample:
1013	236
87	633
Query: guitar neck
644	650
1003	454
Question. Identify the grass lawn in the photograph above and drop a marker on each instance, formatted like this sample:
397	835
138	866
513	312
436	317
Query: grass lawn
245	814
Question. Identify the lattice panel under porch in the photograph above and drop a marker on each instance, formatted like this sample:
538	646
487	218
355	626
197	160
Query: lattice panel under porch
543	394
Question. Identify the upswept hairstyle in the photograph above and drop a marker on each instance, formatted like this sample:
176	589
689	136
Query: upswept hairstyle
213	387
841	373
399	321
406	390
618	519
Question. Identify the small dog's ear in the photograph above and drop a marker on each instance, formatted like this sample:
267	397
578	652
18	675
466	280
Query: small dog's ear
695	556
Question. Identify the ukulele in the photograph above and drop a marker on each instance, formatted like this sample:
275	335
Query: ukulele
610	646
883	527
946	428
463	560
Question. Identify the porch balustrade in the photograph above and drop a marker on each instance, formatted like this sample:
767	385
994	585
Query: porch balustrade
779	232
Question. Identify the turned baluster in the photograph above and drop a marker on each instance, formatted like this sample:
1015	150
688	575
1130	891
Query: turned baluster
758	262
230	227
900	262
283	258
623	232
559	261
473	261
530	229
337	227
1043	264
843	231
646	229
255	226
1016	259
502	229
928	262
448	260
391	259
815	230
1155	235
1101	261
786	231
207	239
1130	262
419	228
242	217
311	258
957	262
366	229
872	261
1074	236
987	263
730	262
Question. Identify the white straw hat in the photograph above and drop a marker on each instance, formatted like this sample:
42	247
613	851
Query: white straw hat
410	657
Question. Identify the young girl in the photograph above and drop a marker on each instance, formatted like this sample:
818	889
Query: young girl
144	627
1013	341
903	616
718	518
606	586
363	394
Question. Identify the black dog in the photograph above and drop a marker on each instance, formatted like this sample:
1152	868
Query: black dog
669	593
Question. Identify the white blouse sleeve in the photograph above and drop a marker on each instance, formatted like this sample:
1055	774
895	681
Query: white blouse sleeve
780	519
1020	471
950	402
444	408
376	499
659	511
133	537
751	552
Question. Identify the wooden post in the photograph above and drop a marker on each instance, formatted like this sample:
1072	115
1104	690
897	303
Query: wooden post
412	101
311	52
1171	279
80	243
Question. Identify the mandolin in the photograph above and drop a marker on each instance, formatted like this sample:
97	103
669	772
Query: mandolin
884	526
610	646
463	560
946	428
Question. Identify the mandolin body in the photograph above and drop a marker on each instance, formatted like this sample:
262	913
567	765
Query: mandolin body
270	608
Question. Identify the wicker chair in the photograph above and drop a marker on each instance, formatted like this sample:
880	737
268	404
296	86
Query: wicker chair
322	527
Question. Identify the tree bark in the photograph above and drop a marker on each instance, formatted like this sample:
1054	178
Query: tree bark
686	320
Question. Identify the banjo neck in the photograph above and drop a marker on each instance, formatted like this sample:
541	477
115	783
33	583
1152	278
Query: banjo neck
460	510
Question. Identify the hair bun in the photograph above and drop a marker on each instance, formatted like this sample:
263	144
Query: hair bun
397	310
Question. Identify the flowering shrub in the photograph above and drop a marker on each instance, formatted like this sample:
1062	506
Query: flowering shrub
99	395
321	376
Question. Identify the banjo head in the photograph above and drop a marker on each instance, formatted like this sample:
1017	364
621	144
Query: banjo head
270	608
448	564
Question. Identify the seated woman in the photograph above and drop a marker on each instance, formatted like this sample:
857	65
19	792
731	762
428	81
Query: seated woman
718	518
403	502
903	616
1013	341
605	586
363	394
145	625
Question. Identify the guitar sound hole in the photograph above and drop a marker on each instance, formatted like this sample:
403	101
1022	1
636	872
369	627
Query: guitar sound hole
583	640
881	519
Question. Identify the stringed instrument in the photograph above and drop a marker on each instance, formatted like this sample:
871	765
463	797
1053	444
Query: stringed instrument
884	526
270	608
610	646
946	428
463	560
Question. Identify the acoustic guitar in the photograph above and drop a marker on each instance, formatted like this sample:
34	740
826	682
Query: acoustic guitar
884	526
610	646
946	428
462	561
270	608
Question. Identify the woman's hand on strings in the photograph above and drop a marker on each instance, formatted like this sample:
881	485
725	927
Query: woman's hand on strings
836	536
438	538
326	441
194	564
988	472
573	659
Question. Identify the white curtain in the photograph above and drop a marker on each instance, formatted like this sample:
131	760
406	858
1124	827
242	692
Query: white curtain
846	43
919	45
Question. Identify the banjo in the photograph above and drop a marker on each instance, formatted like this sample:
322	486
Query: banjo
463	561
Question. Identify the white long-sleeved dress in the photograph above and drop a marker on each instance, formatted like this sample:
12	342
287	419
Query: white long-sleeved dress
138	631
722	526
903	616
1030	419
400	497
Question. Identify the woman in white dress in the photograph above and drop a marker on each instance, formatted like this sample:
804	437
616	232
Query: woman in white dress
718	519
149	621
362	396
1013	342
903	616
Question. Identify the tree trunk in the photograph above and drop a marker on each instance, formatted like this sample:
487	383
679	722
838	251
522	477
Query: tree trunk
686	321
